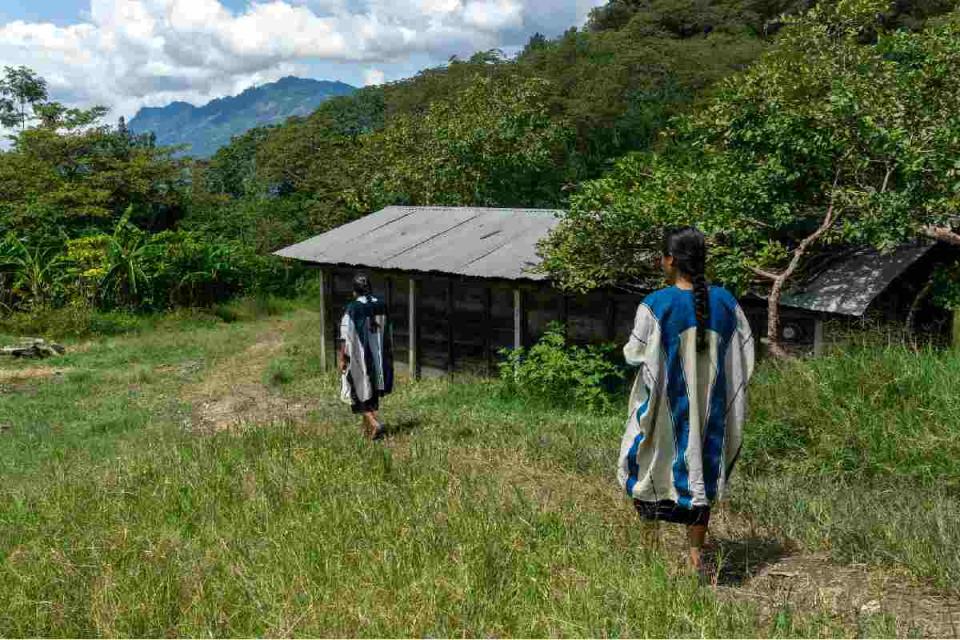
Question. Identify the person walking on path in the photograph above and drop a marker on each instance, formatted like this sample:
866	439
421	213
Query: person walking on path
365	356
694	350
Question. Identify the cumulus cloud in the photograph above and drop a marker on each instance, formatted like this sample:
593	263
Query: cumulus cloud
130	53
373	76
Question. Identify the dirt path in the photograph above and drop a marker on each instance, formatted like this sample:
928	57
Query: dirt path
851	593
233	393
10	376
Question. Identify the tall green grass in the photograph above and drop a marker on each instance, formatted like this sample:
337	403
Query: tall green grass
483	514
859	453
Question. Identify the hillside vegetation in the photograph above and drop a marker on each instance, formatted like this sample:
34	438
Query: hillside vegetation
654	113
201	478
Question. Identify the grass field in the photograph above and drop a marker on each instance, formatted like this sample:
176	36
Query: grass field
201	478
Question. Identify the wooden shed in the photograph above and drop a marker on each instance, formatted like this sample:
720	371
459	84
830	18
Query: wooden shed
460	285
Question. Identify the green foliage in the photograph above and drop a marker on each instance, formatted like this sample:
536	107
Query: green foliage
125	281
189	270
24	99
232	171
254	307
493	143
487	130
562	374
20	89
54	183
946	286
75	320
132	269
279	372
840	124
839	451
31	273
273	187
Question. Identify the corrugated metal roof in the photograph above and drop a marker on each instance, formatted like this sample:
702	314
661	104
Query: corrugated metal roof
469	241
850	285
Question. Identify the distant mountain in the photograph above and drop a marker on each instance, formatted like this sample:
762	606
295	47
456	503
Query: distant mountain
211	126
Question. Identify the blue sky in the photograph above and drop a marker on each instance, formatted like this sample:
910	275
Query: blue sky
126	54
63	12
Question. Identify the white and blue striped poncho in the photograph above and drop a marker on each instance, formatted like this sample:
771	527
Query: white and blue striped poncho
687	408
366	335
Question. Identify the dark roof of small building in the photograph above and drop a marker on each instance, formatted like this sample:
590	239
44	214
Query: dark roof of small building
468	241
850	284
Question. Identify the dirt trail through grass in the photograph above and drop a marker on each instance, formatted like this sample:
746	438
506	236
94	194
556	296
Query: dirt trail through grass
234	393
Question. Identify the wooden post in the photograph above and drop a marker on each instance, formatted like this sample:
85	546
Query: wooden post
413	332
488	329
517	318
323	321
955	343
565	313
450	335
389	295
818	337
611	328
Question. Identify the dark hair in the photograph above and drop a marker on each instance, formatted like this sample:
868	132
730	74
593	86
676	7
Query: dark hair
361	285
688	246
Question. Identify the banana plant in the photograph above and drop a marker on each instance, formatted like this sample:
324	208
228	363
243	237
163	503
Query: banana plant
126	280
33	271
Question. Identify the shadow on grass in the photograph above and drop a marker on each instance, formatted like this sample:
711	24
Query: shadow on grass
401	427
739	560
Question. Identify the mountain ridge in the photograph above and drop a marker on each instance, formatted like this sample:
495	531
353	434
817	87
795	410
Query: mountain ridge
209	127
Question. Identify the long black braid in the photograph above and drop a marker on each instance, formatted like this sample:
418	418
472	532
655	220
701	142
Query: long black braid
688	246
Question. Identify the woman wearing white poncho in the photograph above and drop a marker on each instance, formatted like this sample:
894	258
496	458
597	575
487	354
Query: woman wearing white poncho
366	357
694	348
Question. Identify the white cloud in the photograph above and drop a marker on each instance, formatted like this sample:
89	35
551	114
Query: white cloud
373	77
130	53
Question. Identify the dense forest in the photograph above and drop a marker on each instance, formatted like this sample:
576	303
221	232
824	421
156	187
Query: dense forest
781	127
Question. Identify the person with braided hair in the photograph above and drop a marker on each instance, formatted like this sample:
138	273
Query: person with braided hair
694	349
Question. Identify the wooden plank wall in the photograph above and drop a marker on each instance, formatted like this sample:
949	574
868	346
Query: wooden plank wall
465	322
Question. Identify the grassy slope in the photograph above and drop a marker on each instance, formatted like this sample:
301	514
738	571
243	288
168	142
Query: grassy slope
122	514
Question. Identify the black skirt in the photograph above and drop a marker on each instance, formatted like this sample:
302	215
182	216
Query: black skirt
364	406
670	511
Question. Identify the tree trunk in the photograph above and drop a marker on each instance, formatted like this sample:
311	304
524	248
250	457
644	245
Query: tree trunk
773	319
943	234
921	296
780	279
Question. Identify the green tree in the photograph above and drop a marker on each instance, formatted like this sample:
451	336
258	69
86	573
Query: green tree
82	180
495	143
55	116
843	134
20	90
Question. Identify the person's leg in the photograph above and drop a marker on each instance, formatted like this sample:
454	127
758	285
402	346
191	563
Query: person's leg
696	535
377	429
369	423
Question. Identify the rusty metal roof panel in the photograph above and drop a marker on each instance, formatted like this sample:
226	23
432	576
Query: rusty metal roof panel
848	286
471	241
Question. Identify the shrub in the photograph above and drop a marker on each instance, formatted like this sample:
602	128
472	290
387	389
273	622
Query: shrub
564	374
279	372
75	320
252	308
